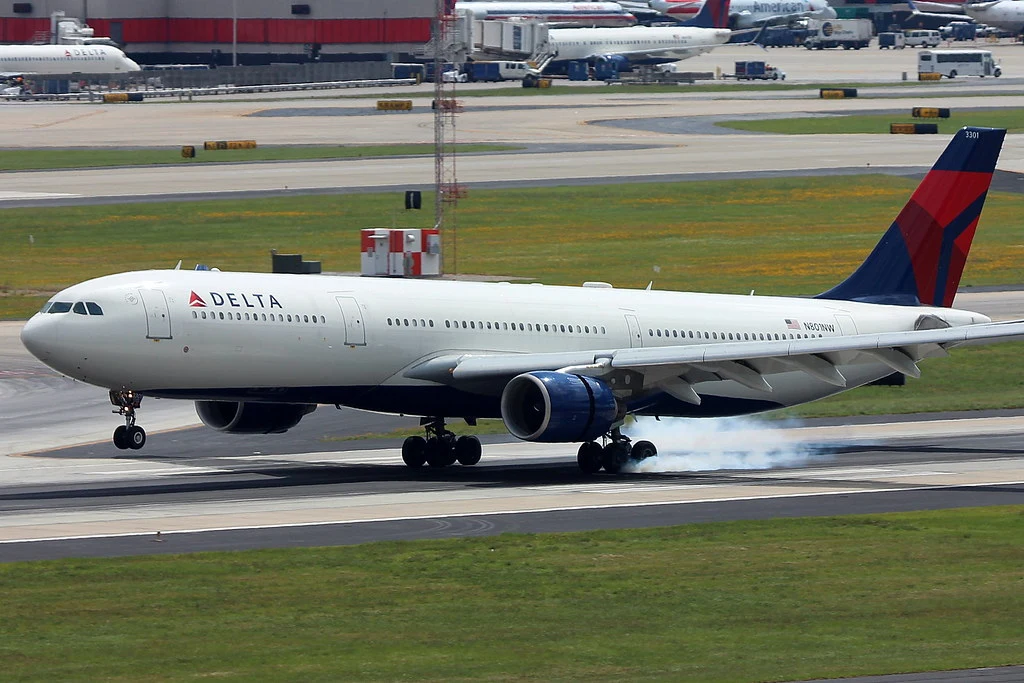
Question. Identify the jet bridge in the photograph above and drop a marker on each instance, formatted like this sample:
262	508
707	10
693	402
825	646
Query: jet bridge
514	40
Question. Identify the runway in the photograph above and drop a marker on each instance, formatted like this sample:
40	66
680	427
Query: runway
203	490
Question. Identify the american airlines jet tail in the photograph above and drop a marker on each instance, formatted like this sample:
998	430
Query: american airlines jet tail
257	352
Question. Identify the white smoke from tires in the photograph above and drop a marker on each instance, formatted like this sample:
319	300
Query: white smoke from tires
736	443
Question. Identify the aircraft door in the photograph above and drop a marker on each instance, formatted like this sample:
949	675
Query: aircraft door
158	318
846	325
635	338
355	333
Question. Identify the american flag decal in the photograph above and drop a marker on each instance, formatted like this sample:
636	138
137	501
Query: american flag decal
792	324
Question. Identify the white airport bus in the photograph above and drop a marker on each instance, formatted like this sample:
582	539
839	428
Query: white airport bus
953	63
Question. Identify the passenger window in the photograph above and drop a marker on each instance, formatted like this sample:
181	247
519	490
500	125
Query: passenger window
93	308
204	315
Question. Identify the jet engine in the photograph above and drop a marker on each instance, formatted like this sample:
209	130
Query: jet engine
252	418
555	406
618	63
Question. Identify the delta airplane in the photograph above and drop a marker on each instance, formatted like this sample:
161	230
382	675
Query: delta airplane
593	14
636	45
24	60
257	352
746	14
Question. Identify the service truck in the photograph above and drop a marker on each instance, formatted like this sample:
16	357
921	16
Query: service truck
849	34
758	70
497	71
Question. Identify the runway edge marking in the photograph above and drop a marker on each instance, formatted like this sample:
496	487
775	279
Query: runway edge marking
570	508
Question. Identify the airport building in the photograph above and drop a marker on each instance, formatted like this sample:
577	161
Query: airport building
258	31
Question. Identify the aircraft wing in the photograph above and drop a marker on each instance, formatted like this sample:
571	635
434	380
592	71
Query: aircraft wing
674	368
647	52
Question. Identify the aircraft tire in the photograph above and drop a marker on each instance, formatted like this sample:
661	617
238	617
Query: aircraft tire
468	450
120	440
439	453
614	456
414	451
952	74
589	457
135	437
642	450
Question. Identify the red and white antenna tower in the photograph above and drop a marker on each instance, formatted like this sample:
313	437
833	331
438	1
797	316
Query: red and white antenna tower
447	190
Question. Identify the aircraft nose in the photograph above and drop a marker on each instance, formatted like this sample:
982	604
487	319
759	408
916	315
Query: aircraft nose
39	336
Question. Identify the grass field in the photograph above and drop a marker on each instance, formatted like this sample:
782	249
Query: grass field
746	601
38	159
806	233
1011	119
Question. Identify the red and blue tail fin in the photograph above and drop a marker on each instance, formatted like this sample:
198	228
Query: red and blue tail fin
712	14
921	257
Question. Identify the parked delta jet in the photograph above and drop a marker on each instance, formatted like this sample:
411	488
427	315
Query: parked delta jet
552	13
746	14
257	352
637	45
23	60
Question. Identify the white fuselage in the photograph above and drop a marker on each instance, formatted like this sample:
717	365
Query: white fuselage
749	13
639	43
1007	15
352	341
64	59
557	13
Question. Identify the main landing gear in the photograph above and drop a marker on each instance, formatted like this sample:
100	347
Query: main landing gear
614	455
129	435
441	448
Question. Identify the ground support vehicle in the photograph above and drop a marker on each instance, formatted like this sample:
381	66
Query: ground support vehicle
849	34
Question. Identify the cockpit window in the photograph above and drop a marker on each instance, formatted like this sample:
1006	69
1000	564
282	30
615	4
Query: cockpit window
79	308
59	307
94	308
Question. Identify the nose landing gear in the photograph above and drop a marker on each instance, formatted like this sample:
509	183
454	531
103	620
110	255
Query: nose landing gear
129	435
441	448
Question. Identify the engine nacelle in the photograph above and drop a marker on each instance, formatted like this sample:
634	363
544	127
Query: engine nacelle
613	64
252	418
556	407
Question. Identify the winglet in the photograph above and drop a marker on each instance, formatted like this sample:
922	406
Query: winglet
712	14
921	257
